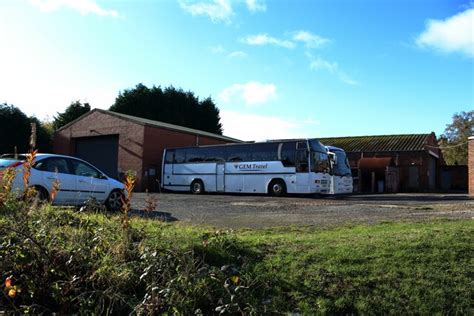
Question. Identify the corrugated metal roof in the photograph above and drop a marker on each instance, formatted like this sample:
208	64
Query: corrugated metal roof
380	143
143	121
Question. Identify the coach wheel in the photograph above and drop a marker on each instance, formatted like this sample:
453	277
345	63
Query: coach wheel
277	188
197	187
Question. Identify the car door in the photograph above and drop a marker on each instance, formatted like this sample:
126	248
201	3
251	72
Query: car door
91	183
56	169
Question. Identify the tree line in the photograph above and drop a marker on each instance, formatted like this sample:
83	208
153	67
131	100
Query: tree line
169	105
183	108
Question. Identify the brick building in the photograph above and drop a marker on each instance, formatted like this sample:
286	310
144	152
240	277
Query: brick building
392	163
116	143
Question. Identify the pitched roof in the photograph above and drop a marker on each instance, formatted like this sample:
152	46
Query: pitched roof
380	143
147	122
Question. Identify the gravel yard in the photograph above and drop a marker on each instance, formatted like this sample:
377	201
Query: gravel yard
250	211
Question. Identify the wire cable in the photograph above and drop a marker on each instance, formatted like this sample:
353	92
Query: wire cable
447	147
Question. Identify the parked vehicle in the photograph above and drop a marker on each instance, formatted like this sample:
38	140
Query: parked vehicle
341	176
78	180
275	167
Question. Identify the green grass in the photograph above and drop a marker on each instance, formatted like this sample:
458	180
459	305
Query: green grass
422	267
403	267
387	268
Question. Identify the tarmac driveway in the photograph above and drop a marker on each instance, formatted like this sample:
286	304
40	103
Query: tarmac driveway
250	211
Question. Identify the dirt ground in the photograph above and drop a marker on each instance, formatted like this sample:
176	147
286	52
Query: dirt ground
251	211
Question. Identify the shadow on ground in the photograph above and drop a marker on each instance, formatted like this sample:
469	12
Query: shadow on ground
406	197
161	216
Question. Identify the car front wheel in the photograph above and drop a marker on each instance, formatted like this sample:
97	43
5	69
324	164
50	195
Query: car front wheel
115	201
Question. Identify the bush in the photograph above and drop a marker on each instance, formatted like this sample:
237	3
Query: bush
64	262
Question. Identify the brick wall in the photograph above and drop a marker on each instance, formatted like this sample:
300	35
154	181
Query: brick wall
471	165
131	136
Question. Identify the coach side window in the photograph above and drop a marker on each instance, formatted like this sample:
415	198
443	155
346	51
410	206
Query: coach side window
239	153
180	156
195	155
265	152
215	154
288	154
169	156
302	160
302	145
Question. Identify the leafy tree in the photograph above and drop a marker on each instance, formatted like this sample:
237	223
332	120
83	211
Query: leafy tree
71	113
454	141
169	105
48	126
15	130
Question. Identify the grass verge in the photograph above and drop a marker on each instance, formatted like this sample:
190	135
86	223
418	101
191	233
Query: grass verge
60	261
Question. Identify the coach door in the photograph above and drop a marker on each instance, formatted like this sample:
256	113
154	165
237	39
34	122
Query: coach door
302	168
168	168
220	177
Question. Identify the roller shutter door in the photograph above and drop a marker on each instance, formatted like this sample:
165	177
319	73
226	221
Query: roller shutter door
101	151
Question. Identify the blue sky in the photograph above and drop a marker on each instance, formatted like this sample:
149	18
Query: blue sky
275	69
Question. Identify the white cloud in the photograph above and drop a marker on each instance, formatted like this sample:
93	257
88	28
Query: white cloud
249	126
216	10
256	5
333	68
309	39
237	54
217	49
251	93
84	7
454	34
347	79
322	64
264	39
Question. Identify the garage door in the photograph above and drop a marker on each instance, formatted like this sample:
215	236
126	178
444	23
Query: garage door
101	151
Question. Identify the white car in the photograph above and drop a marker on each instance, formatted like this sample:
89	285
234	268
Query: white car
78	180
